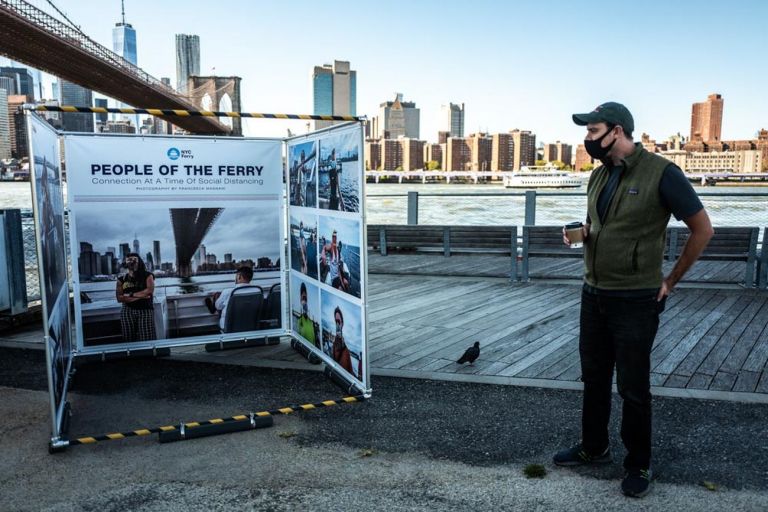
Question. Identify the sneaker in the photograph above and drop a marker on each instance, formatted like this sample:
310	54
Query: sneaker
578	456
637	482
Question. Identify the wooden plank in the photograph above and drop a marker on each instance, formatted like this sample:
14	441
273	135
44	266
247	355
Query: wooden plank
684	346
672	332
676	381
743	345
720	351
535	369
698	353
699	381
722	382
762	386
746	381
537	355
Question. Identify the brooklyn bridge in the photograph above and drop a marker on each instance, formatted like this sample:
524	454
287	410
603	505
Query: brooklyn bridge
190	225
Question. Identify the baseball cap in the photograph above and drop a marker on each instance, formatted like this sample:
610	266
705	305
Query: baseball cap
609	112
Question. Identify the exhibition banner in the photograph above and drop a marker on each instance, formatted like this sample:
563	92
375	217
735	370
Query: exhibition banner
326	227
48	206
174	240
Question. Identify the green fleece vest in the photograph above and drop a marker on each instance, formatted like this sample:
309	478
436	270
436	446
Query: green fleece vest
626	251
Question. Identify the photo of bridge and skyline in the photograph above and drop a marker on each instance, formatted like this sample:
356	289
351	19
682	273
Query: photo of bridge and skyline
176	241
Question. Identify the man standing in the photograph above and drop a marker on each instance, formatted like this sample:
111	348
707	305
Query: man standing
629	202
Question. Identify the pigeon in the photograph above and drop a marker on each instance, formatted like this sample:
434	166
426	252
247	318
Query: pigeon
470	354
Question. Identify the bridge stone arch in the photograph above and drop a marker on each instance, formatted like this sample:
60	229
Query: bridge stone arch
224	93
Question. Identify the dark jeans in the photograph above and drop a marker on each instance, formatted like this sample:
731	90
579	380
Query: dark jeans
618	331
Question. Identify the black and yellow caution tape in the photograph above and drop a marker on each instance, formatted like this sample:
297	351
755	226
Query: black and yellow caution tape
188	113
192	424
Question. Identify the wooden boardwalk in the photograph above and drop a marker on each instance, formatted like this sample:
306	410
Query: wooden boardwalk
708	339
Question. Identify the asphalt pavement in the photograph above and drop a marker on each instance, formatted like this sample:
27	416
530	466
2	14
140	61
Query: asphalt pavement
414	445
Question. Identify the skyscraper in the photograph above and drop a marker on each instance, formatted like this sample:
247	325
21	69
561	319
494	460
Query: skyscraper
124	39
73	94
334	91
23	80
187	59
5	126
101	119
136	245
398	118
124	44
156	252
707	119
452	119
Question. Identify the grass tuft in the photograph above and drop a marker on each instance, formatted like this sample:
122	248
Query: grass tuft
535	471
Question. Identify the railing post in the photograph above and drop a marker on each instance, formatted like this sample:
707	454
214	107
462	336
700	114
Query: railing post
12	246
530	207
413	207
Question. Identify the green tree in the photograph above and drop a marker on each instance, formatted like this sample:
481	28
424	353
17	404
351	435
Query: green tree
540	163
399	168
433	165
559	164
587	167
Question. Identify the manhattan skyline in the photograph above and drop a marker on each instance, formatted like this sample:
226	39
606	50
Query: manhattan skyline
525	65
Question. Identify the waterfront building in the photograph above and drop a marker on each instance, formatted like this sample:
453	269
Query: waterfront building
745	161
480	150
502	152
524	148
582	158
452	119
707	119
559	151
398	118
458	154
101	118
334	91
391	155
372	155
435	153
442	137
17	128
413	154
156	252
187	59
118	127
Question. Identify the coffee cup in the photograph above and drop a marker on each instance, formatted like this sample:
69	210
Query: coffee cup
575	234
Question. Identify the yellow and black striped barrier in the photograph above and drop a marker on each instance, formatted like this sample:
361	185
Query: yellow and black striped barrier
188	113
190	430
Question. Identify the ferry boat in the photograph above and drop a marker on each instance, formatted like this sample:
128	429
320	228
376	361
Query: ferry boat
543	177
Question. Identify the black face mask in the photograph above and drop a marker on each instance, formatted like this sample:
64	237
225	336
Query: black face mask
597	151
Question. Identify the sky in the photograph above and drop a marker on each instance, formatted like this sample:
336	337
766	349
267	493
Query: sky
523	64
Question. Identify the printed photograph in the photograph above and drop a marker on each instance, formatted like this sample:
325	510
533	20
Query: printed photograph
342	333
305	309
302	160
50	205
339	172
339	254
60	336
157	273
303	236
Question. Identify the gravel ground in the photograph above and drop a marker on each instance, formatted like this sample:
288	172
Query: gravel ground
416	445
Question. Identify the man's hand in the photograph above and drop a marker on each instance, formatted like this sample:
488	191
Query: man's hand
584	234
664	291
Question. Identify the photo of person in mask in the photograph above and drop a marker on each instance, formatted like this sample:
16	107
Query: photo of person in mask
135	292
340	352
305	325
